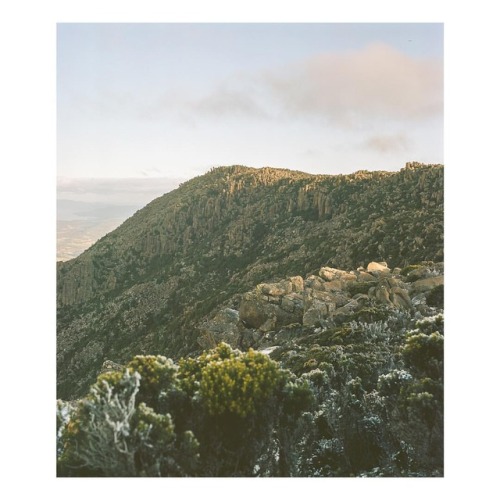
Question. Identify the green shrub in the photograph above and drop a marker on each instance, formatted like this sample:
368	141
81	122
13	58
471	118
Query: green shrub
424	353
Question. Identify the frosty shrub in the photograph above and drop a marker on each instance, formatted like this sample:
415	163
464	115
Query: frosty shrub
110	435
390	384
224	413
158	376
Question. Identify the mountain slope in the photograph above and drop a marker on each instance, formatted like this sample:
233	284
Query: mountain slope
143	287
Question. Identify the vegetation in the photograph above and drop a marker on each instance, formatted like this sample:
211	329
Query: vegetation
379	398
363	400
225	413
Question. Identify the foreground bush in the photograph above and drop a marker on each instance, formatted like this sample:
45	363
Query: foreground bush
225	413
111	434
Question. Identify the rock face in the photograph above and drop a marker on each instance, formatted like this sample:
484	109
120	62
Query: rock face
223	327
272	305
321	300
330	274
427	284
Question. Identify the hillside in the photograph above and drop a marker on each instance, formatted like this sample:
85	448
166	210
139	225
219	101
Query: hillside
147	286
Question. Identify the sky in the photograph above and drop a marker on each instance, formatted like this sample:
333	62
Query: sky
173	100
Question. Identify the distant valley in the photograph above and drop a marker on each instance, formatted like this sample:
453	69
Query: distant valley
88	209
81	224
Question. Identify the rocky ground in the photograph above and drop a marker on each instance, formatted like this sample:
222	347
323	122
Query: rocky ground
261	317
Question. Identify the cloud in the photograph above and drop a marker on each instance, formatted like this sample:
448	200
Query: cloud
375	82
347	89
231	100
151	171
136	191
387	143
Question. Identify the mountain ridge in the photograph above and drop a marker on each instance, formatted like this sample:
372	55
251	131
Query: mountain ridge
143	287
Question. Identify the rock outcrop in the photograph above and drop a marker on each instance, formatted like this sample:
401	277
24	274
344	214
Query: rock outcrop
321	300
272	305
223	327
427	284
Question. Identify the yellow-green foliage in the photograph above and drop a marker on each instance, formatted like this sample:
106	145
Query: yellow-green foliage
111	378
224	413
237	385
157	373
232	382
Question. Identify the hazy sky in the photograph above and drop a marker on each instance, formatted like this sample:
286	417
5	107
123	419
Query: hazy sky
173	100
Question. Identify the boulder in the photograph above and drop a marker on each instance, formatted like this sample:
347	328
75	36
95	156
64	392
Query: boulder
252	313
320	305
339	299
347	309
267	312
223	327
329	273
292	302
418	273
228	315
312	317
318	310
331	286
363	276
400	298
297	284
276	289
314	282
427	284
110	366
268	325
346	279
377	266
382	295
